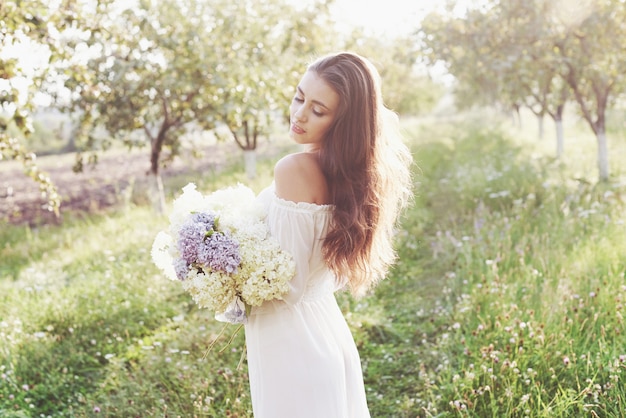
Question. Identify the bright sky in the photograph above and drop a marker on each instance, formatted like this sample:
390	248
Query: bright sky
387	17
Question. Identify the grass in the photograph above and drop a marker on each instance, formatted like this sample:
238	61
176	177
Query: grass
507	298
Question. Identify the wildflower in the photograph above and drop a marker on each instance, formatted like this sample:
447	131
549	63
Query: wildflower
96	409
458	405
566	360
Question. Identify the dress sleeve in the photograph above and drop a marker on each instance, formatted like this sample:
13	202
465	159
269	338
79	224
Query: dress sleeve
298	229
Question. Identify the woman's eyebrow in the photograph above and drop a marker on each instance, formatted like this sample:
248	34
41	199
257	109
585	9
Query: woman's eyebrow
317	102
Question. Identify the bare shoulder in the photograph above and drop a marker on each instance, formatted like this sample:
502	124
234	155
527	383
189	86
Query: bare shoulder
299	178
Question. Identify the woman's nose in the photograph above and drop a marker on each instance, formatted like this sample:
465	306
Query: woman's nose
299	114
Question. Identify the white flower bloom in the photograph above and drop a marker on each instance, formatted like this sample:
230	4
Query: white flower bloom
264	271
161	255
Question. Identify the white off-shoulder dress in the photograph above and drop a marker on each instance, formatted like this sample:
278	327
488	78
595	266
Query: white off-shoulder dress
302	359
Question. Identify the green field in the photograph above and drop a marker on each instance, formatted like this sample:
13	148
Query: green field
507	299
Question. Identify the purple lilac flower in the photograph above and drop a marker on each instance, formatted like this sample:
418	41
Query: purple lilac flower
220	252
181	268
192	234
204	218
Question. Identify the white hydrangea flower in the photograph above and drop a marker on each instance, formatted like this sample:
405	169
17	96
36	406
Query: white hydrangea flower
264	271
162	255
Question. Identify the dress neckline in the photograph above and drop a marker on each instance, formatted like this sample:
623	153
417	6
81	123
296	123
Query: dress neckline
301	205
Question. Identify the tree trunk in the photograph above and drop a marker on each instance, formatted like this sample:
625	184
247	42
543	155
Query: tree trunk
517	117
249	158
540	126
603	155
559	138
156	195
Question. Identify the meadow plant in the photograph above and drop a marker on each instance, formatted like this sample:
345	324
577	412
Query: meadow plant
534	291
507	299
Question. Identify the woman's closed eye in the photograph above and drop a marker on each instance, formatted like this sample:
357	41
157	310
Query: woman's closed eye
316	112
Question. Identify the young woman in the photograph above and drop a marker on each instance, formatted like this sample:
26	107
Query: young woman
333	207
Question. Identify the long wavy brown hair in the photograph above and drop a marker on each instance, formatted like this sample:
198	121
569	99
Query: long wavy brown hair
367	166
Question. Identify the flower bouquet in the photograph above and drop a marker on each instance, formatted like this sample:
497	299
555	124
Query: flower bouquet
220	248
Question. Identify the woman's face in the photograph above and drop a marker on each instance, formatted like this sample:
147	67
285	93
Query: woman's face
312	111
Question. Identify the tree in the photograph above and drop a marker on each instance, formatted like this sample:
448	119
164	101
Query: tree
34	24
535	53
461	44
594	58
145	77
262	47
397	62
532	72
163	67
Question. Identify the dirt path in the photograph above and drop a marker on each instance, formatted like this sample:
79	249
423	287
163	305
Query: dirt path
97	188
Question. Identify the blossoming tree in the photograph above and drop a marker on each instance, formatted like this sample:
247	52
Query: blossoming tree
539	55
30	21
159	68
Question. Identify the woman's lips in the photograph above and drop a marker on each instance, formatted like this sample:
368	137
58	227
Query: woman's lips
296	129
